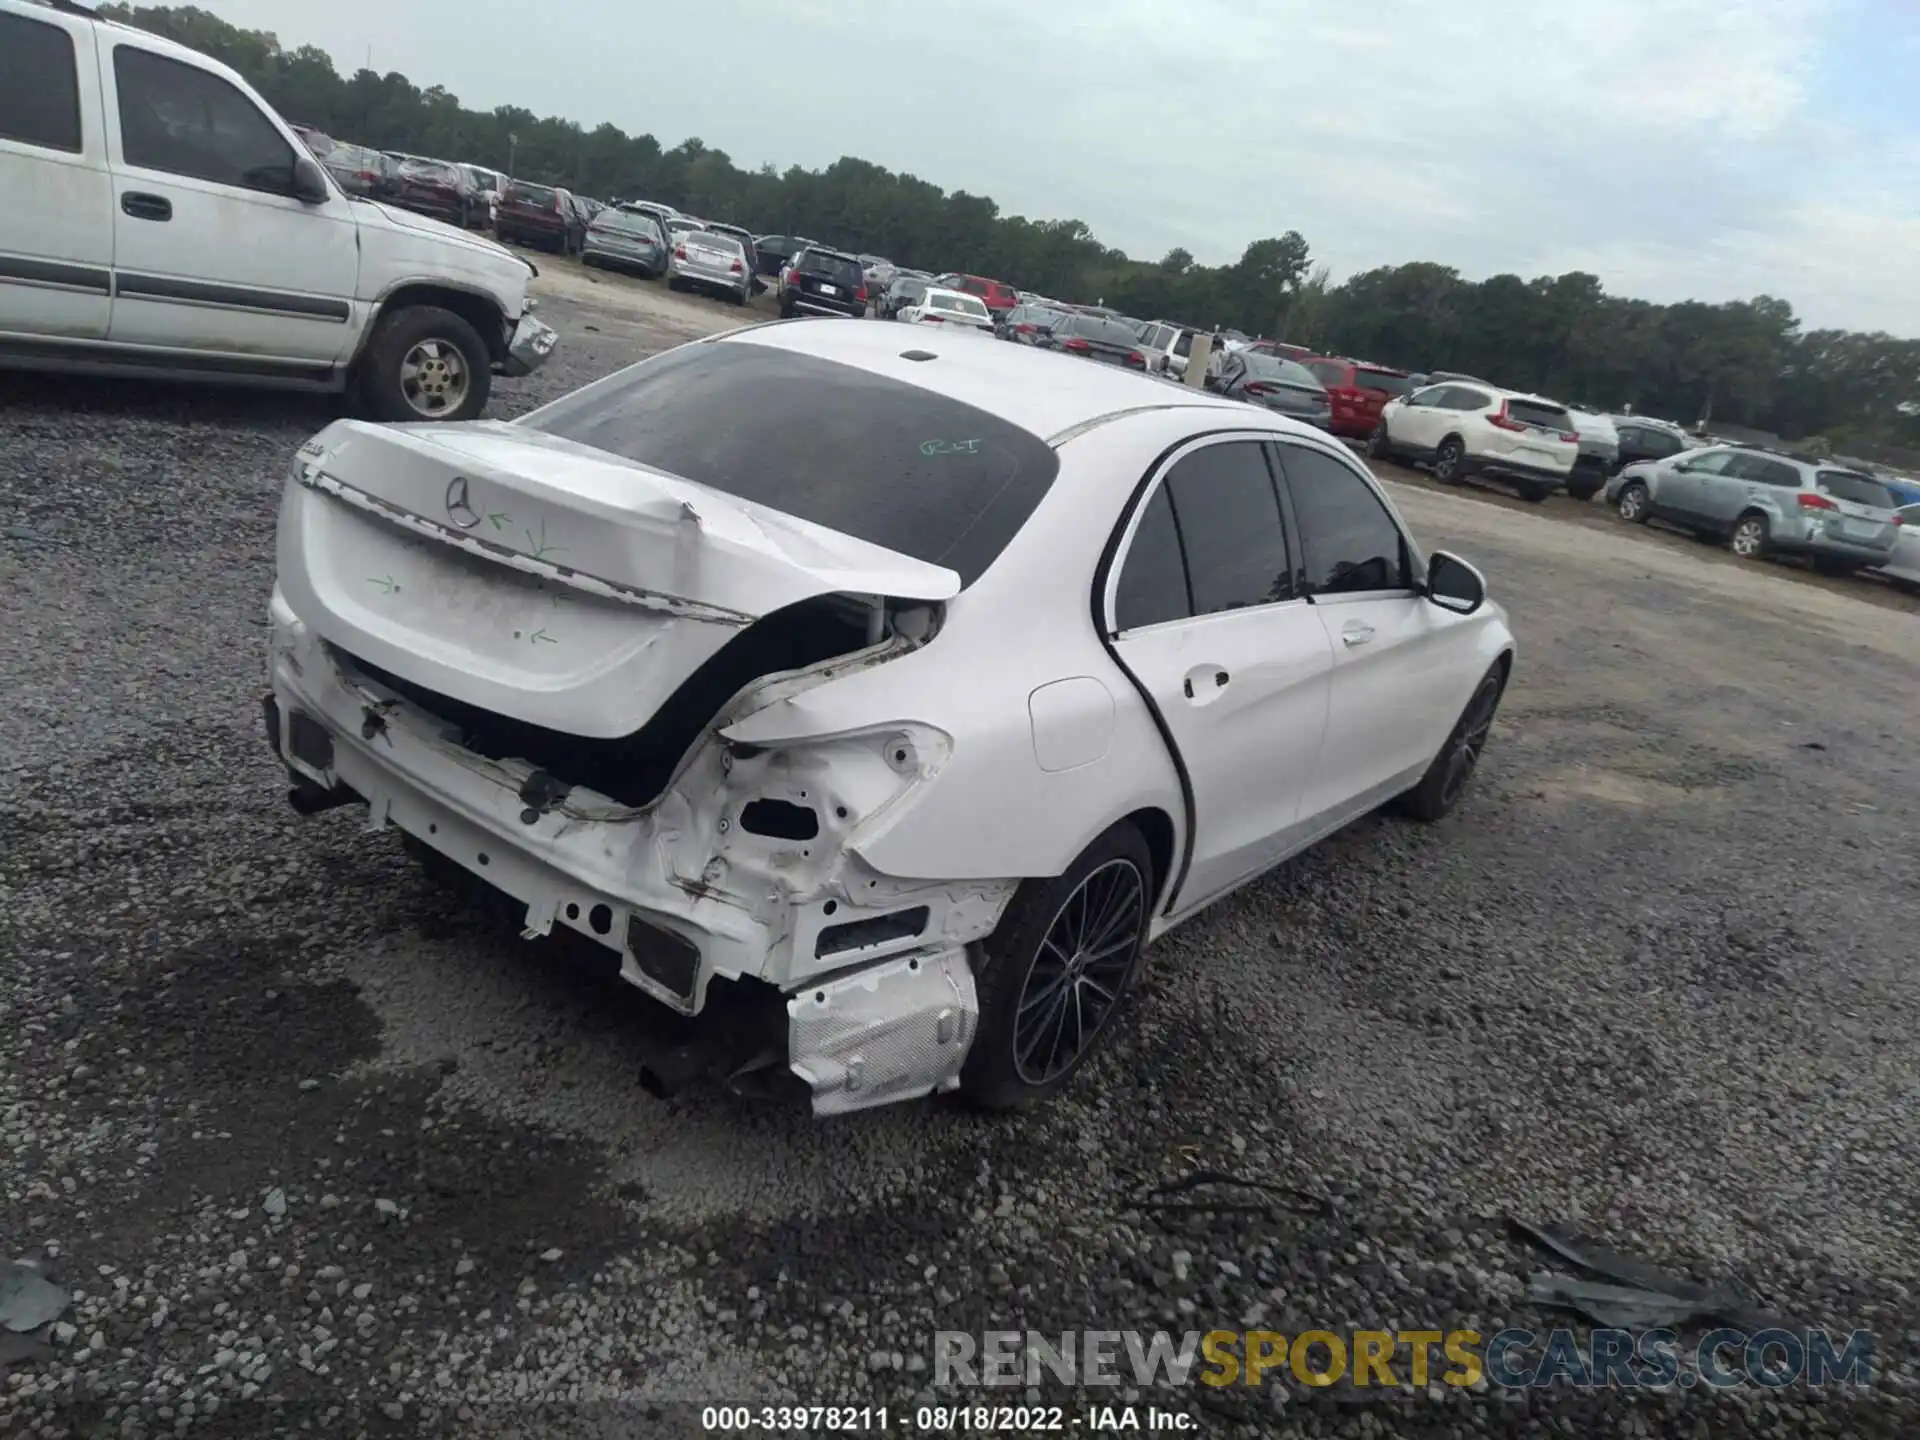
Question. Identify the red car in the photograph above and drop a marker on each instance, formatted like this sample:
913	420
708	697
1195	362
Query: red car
543	217
1356	391
998	296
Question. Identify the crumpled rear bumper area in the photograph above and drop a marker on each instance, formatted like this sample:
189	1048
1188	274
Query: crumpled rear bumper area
879	990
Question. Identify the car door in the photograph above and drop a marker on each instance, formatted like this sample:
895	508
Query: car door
1745	479
1203	614
56	197
1398	660
1681	491
212	251
1416	421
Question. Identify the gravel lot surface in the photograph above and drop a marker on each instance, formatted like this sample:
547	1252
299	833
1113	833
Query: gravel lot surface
317	1147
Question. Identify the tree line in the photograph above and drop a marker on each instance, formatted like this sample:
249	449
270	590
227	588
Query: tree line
1745	362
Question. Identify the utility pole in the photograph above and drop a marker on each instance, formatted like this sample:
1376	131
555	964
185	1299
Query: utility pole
513	144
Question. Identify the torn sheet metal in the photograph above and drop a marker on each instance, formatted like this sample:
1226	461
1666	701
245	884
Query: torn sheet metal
890	1032
1631	1293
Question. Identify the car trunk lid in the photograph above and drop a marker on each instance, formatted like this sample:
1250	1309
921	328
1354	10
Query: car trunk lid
544	580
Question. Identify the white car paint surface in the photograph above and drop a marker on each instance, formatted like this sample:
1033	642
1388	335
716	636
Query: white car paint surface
917	539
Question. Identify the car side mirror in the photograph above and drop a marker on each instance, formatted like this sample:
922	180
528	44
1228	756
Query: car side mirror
309	182
1683	465
1454	585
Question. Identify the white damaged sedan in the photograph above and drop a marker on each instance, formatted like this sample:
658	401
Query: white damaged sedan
880	696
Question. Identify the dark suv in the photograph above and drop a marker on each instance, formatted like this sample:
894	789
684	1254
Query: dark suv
819	281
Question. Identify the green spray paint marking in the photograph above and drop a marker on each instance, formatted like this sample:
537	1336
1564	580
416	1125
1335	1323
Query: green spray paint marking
541	637
388	585
540	548
499	519
931	448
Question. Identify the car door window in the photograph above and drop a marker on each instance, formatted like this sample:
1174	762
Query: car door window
1348	540
1153	578
1227	512
39	84
1745	467
1778	472
1714	462
1460	397
186	121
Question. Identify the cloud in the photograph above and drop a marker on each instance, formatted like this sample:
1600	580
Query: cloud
1677	148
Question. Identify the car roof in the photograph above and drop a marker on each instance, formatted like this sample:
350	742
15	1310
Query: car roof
1041	392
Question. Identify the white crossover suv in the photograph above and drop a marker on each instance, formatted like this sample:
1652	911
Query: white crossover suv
908	683
1466	429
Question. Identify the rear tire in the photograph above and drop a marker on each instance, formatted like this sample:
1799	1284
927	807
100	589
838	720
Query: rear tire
1062	945
1446	779
786	311
1379	446
1535	494
1447	461
425	363
1583	490
1752	537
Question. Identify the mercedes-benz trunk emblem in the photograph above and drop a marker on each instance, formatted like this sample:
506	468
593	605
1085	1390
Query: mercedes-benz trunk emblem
459	509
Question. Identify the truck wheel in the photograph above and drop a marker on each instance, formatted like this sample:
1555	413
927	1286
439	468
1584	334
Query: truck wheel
1056	970
425	363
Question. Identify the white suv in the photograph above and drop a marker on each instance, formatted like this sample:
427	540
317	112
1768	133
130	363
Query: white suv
161	220
1470	428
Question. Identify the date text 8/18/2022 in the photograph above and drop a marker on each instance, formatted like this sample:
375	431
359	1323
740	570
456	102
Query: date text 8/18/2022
944	1419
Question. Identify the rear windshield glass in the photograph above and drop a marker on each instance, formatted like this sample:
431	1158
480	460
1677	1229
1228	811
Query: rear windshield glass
910	289
1382	380
871	457
1184	345
1107	332
832	267
1860	489
626	223
1328	372
715	241
958	305
531	194
429	170
1263	366
1532	412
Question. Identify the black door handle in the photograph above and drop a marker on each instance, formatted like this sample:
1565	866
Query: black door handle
1220	677
142	206
1186	687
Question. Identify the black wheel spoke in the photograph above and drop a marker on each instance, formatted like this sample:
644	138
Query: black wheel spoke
1078	971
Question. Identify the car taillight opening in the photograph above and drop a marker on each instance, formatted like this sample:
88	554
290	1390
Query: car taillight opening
1079	347
1136	359
679	252
1572	437
735	267
1500	420
1259	387
1810	501
861	294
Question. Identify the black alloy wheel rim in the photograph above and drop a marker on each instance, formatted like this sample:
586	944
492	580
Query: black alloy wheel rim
1469	740
1078	972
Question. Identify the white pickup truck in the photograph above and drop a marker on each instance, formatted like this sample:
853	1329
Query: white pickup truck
157	218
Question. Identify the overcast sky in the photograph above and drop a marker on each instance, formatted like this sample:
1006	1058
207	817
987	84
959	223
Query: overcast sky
1707	149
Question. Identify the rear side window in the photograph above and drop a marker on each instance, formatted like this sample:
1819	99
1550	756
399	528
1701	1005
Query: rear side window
1349	542
874	458
1860	489
188	121
1328	373
1461	398
1183	347
1547	417
1153	581
1228	512
39	88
